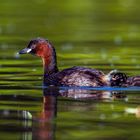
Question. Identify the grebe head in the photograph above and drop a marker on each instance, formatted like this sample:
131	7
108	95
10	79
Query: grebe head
117	78
39	47
42	48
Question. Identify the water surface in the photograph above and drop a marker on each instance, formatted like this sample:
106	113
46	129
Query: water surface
91	33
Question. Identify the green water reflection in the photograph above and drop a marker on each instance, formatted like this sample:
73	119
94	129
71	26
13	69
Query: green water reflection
57	114
95	33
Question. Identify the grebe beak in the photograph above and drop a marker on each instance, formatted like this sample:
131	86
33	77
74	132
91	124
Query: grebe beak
24	51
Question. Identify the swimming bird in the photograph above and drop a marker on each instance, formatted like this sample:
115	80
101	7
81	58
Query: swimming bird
74	76
120	79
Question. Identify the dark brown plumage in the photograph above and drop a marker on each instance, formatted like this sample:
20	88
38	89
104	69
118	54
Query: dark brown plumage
133	81
77	76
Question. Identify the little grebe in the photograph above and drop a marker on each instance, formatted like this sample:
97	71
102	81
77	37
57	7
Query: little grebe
75	76
119	79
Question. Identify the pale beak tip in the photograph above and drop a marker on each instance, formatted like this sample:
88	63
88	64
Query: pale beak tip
24	51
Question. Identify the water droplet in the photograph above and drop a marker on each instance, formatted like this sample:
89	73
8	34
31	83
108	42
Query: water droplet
118	40
102	116
67	47
16	55
6	112
34	69
115	115
126	99
133	60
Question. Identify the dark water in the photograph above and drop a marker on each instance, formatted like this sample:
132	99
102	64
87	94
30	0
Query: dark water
95	33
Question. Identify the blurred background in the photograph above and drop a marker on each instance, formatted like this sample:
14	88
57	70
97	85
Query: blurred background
101	34
94	33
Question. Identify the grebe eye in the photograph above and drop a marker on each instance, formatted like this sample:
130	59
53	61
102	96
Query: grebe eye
33	46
